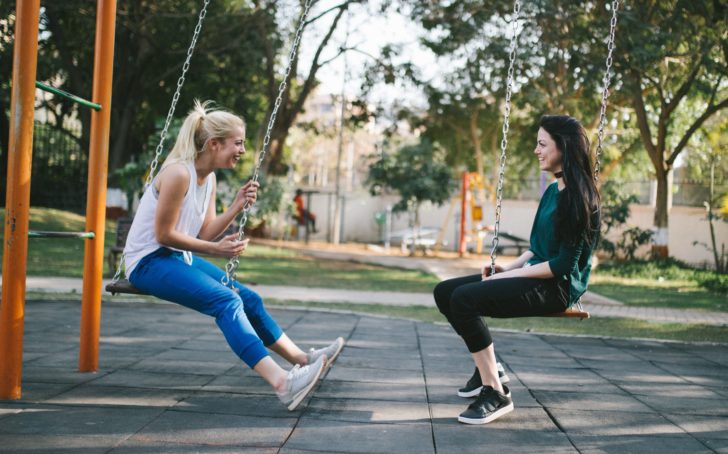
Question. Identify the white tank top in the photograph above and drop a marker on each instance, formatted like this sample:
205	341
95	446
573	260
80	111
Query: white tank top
142	239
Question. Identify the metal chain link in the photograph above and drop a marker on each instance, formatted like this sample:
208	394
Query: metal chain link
605	90
506	126
170	114
229	278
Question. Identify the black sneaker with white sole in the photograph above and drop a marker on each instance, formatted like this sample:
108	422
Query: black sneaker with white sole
473	386
489	406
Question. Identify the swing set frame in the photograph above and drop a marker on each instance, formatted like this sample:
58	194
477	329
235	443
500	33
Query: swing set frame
17	202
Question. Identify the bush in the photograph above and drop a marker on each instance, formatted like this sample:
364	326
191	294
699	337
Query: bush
715	282
615	212
668	269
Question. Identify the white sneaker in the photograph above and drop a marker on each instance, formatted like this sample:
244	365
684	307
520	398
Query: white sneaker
331	352
301	381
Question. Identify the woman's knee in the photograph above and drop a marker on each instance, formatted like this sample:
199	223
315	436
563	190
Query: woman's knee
442	293
462	305
225	303
251	300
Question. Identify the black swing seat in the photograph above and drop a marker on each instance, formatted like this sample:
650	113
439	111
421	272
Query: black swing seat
123	286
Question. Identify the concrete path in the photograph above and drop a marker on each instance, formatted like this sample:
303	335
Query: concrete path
168	383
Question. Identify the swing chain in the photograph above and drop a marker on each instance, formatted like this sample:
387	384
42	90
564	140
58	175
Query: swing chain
605	90
506	126
170	114
229	278
175	98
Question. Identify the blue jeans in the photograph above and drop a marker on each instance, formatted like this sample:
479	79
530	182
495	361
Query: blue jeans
241	317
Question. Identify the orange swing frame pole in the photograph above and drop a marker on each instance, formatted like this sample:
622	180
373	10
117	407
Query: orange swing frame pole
93	259
17	199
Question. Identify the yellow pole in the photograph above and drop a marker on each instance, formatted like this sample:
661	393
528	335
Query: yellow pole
17	199
93	260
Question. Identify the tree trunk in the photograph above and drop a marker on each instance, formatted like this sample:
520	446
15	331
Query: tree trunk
273	163
660	239
475	139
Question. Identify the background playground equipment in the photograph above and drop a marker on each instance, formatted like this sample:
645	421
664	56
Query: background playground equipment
472	201
18	191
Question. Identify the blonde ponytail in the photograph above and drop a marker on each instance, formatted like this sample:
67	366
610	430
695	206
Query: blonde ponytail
201	125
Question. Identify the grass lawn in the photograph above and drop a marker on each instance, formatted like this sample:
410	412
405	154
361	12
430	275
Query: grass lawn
259	264
661	285
53	256
599	326
277	266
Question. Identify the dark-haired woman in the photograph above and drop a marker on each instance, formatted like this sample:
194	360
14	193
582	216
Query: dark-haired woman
549	277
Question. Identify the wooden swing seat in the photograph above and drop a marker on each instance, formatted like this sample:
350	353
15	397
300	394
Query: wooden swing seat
570	313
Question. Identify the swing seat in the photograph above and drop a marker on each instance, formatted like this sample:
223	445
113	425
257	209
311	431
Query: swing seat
123	286
575	311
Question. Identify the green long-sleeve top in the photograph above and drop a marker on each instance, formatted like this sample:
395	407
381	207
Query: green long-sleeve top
568	261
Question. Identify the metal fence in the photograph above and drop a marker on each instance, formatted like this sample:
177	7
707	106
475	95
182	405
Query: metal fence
60	167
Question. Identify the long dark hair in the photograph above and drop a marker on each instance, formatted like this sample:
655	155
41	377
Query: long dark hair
577	213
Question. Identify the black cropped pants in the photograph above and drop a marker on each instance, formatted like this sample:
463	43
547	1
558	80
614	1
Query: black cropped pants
465	300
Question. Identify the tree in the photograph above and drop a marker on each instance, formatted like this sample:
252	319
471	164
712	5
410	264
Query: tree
559	67
434	180
707	159
296	93
672	57
152	38
463	113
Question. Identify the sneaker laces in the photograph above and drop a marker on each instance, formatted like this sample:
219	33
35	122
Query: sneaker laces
296	372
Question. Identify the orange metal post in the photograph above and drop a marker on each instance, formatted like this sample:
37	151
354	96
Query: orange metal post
93	261
17	200
462	247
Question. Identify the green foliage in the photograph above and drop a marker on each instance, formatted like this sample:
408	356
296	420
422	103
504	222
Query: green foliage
615	212
130	178
270	201
418	173
229	64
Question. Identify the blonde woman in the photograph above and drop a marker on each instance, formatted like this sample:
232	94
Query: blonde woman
176	219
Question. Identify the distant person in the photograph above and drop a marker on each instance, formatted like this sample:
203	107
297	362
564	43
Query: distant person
548	278
304	216
176	220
